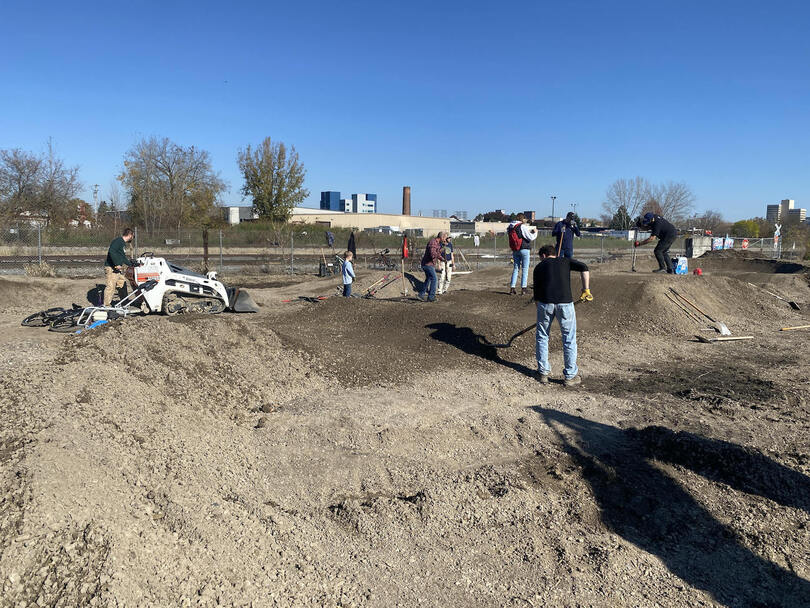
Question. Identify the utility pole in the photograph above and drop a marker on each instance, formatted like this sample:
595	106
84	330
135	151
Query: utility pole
95	197
553	198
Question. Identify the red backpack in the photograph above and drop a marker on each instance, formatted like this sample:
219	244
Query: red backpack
515	240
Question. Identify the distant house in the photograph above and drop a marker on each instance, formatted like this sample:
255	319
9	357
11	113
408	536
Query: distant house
236	214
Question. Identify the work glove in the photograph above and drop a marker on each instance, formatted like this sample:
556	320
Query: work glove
586	296
636	244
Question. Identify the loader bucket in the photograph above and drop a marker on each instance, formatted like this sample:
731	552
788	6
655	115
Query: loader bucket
240	301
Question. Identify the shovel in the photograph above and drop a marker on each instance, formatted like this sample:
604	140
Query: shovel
792	304
718	325
722	339
635	238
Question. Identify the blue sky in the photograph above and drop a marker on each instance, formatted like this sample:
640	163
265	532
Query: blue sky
475	105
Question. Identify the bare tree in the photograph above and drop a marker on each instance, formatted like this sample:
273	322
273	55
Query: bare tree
631	194
709	220
40	185
673	200
274	178
169	185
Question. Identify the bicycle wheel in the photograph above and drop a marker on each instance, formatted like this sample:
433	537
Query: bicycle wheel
42	318
66	323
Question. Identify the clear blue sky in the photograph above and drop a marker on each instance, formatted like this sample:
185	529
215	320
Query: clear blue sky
475	105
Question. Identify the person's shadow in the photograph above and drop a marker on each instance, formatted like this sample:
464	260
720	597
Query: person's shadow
653	511
466	340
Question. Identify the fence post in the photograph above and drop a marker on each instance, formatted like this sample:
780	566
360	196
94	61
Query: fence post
135	242
39	244
292	250
494	244
220	251
601	248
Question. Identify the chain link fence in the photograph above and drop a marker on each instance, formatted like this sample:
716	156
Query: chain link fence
274	248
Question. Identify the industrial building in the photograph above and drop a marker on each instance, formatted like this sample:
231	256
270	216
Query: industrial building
358	203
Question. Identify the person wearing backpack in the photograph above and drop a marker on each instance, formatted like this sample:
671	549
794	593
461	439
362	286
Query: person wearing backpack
520	236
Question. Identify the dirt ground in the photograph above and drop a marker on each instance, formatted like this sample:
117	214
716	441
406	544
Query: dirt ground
389	452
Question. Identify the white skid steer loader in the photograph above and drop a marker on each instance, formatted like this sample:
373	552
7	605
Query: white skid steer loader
174	290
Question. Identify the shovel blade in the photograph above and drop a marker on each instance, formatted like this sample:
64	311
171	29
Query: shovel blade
724	331
241	301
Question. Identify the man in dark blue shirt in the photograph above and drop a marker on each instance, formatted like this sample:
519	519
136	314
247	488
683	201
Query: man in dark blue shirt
665	233
564	231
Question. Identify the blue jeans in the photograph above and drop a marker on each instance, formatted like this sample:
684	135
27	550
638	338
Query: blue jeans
568	327
430	282
521	260
567	252
347	290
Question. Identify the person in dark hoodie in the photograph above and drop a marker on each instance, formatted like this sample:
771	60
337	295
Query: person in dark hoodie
565	231
666	233
116	264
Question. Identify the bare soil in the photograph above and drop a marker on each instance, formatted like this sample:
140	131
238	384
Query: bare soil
388	452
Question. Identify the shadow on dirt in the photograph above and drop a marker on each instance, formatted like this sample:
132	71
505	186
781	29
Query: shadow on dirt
742	468
653	511
466	340
723	383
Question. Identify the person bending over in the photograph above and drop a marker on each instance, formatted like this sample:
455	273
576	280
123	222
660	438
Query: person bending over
665	233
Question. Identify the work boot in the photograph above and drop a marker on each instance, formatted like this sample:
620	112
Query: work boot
431	299
541	377
573	381
421	296
523	291
512	291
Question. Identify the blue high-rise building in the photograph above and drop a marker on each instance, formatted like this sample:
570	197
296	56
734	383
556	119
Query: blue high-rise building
331	201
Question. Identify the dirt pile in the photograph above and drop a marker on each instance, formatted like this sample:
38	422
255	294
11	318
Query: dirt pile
383	452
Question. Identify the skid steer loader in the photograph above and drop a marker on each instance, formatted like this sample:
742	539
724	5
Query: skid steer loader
178	290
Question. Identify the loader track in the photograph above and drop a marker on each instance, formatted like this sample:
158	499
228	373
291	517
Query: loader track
176	304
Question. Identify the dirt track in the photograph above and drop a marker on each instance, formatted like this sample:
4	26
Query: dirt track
385	453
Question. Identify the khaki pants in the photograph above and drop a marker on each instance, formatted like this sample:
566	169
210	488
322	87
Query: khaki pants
114	281
446	277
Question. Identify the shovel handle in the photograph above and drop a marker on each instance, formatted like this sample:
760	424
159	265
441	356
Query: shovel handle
796	327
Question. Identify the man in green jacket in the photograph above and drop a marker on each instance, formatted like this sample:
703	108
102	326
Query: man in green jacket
116	264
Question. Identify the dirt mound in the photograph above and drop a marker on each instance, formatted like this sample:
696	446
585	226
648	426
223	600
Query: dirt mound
731	261
384	452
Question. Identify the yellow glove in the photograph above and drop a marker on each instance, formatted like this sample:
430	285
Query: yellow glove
586	296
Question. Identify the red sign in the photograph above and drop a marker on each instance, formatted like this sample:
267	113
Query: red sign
745	243
404	246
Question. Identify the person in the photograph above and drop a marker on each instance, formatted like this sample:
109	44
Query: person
521	236
665	232
348	274
447	267
115	265
432	257
552	292
565	230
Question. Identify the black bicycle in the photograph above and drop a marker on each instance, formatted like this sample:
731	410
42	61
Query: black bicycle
43	318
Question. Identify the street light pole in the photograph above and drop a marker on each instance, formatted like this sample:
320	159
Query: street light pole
553	198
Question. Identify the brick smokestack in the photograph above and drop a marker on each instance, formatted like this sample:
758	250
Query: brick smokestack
406	200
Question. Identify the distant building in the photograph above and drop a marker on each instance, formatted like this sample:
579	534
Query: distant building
462	215
364	203
331	201
785	212
358	203
440	213
236	214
